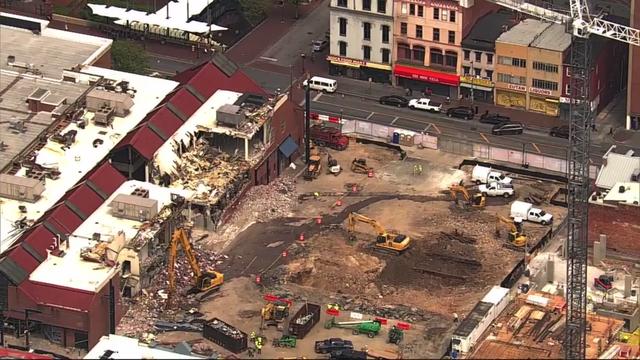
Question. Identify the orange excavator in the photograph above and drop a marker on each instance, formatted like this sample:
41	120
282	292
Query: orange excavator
205	282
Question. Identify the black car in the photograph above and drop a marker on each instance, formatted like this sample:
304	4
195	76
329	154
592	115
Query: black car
333	344
394	100
560	131
462	112
494	118
507	129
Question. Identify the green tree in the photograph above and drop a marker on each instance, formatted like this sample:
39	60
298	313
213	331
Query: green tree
255	10
129	57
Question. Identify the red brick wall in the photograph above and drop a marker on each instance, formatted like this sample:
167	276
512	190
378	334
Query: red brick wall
621	224
471	15
104	61
99	312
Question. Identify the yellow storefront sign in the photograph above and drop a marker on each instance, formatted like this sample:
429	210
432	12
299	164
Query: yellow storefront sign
344	61
476	81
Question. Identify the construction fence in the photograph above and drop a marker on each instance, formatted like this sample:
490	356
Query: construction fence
526	156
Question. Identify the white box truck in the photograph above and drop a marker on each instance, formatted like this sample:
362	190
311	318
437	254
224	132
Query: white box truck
483	175
526	211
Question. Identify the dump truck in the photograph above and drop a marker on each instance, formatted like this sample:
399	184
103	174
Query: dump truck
329	137
304	320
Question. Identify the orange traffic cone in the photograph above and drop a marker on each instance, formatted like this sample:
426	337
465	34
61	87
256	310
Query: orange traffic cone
370	174
338	202
319	220
301	238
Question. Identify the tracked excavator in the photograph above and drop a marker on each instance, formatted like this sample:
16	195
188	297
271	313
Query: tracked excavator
385	241
477	201
205	282
517	237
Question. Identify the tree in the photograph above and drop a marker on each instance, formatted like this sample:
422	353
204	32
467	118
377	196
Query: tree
129	57
255	10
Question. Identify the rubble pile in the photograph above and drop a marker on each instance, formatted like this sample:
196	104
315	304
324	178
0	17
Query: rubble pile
151	304
226	329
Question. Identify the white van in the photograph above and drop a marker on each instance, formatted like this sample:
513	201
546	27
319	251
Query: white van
322	84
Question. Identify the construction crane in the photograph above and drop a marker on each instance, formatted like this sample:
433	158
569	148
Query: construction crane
517	236
204	282
475	201
385	241
581	24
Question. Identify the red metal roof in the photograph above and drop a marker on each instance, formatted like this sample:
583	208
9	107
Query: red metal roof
107	178
85	199
40	239
146	142
185	102
48	294
166	121
64	219
21	257
208	79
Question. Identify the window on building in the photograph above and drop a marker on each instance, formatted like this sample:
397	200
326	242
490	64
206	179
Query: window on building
478	56
343	48
552	68
403	9
343	26
452	16
366	29
489	74
342	3
385	34
452	37
489	58
418	53
436	34
420	10
465	70
466	54
477	72
435	57
404	51
412	9
403	28
567	89
366	5
510	79
451	59
544	84
419	31
366	52
436	13
386	56
505	60
382	6
444	15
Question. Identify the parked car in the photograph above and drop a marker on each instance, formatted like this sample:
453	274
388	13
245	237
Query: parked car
560	131
394	100
425	104
319	45
462	112
334	344
494	118
507	129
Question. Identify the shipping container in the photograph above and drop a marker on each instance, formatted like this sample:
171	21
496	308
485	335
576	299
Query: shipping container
304	320
471	328
225	335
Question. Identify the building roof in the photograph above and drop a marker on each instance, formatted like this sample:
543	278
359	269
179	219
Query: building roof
617	168
630	195
43	50
121	347
486	30
524	33
554	38
476	315
196	86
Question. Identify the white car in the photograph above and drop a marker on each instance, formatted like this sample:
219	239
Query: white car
496	189
425	104
319	45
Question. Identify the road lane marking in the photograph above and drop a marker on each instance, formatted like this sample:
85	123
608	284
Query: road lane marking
427	128
318	95
370	115
537	148
435	127
268	59
485	138
394	120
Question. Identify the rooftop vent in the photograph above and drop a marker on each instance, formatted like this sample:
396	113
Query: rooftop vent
104	115
133	207
231	115
21	188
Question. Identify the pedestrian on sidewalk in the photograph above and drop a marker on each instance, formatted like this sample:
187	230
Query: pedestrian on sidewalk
611	131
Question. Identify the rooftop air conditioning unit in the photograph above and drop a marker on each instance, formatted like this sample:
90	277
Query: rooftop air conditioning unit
134	207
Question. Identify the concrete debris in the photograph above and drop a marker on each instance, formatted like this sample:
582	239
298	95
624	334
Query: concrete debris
203	348
162	326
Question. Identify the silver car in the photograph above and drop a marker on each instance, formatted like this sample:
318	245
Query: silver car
319	45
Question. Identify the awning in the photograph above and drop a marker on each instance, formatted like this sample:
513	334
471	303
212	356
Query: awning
426	75
288	147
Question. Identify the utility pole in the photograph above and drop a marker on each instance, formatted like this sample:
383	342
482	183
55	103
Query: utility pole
307	121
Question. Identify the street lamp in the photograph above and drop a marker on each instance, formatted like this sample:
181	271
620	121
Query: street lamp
303	56
28	328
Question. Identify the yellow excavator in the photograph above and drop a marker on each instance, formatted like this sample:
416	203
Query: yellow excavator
517	237
385	241
205	282
476	201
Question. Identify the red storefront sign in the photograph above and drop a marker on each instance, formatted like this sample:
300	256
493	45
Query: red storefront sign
426	75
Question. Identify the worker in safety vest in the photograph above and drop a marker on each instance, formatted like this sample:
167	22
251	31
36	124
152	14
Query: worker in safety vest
259	344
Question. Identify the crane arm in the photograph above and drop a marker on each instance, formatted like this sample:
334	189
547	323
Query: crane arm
354	217
614	31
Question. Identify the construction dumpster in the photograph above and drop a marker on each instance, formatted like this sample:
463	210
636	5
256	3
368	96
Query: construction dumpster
225	335
304	320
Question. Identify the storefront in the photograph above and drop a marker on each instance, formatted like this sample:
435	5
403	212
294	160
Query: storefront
514	96
540	101
477	88
359	69
420	79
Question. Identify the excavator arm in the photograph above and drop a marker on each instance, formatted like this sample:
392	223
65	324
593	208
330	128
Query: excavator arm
355	217
188	251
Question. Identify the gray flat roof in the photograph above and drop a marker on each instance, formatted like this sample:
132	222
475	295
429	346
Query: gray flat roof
472	320
524	33
14	91
484	33
48	54
553	38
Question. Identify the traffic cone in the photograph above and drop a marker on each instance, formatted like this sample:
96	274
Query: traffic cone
258	279
370	174
354	188
285	253
301	237
338	202
319	220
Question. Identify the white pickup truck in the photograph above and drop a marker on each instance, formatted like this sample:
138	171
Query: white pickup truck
526	211
496	189
425	104
483	175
